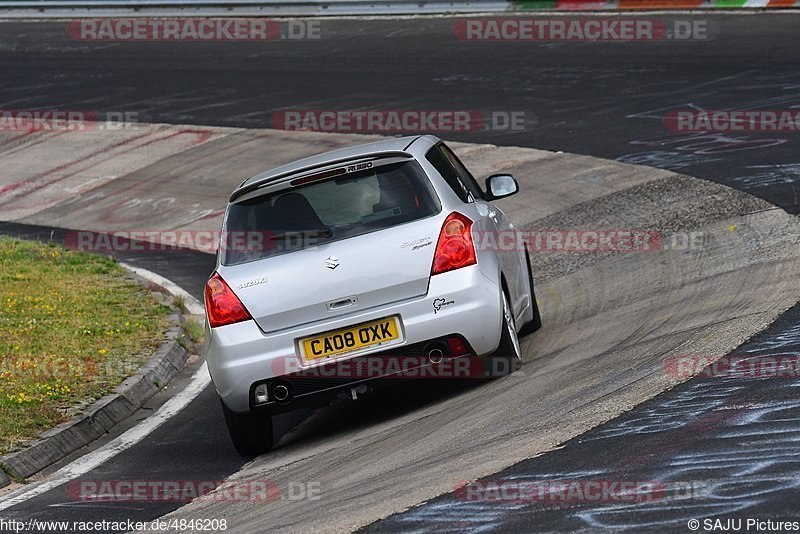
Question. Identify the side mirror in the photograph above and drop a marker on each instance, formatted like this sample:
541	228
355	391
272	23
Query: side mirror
500	186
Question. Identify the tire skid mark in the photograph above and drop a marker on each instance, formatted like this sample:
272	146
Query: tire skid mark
111	212
35	182
39	183
12	139
42	138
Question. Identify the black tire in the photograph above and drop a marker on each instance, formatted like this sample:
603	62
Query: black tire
507	358
536	322
251	433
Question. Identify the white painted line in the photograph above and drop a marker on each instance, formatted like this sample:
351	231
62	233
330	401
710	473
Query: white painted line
131	437
193	306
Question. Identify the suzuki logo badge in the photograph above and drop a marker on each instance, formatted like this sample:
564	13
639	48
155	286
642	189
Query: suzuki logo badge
331	262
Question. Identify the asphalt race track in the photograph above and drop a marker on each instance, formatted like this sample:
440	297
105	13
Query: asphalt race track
601	99
721	451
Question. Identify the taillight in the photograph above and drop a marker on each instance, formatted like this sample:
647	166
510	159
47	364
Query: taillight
222	305
454	248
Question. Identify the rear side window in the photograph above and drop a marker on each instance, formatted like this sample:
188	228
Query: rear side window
336	208
443	166
454	172
463	174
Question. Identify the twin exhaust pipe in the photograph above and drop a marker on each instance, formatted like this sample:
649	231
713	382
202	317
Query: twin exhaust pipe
434	351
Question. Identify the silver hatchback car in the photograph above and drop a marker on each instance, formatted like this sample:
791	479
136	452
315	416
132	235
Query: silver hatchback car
376	261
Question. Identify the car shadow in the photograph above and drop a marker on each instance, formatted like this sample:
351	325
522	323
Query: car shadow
393	398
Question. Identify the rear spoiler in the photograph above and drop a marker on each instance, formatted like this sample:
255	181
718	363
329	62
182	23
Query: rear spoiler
297	173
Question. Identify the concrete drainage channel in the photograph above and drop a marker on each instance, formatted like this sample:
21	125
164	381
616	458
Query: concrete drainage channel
611	319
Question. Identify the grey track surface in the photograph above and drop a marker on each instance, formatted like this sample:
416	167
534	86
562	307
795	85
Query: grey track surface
719	448
601	314
604	99
609	326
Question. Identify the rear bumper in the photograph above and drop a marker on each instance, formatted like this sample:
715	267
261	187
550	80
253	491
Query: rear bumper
240	355
410	362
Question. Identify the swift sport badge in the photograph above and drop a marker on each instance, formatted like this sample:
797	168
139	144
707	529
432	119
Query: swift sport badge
250	283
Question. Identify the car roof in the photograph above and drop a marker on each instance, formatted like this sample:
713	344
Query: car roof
388	145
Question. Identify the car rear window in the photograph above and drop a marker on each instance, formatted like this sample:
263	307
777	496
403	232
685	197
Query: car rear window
336	208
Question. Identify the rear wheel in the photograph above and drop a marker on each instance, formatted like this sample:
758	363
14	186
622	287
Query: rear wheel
251	433
536	322
507	358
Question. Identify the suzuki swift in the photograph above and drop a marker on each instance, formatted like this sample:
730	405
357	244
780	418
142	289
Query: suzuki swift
355	265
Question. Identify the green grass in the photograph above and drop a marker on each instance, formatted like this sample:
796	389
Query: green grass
179	303
72	327
195	330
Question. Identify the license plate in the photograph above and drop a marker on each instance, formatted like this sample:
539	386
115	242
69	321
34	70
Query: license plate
351	339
